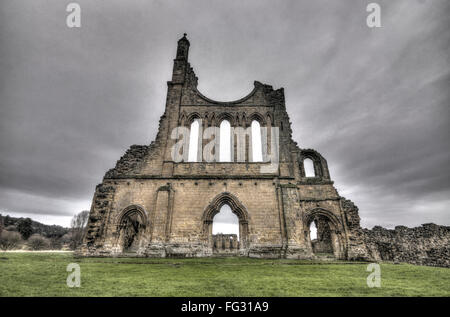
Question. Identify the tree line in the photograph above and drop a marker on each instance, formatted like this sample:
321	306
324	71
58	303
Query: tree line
27	234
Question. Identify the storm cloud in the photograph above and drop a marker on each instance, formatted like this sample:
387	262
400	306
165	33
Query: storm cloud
374	101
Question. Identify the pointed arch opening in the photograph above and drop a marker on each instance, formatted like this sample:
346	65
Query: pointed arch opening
324	234
225	231
308	165
320	236
230	203
131	226
193	141
225	141
256	142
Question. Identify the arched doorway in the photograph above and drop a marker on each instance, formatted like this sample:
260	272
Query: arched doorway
214	243
131	226
225	232
324	234
321	244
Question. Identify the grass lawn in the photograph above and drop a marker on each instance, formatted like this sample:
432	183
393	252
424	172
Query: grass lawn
44	274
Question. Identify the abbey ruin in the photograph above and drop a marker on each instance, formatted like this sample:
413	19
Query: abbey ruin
154	204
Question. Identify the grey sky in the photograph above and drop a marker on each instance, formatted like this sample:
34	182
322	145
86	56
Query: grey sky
374	102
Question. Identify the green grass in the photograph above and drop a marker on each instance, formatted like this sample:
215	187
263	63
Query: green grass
44	274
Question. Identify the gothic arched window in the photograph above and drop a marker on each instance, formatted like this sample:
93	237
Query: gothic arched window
256	142
225	141
193	141
308	165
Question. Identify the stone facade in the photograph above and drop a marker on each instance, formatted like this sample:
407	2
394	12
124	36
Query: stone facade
153	205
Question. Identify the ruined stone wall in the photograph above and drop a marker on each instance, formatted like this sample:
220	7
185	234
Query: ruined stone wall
428	244
163	208
171	205
225	243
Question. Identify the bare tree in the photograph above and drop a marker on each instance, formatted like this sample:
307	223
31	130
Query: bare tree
55	243
78	225
38	242
9	240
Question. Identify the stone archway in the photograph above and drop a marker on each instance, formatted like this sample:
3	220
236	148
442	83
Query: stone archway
237	208
330	233
131	225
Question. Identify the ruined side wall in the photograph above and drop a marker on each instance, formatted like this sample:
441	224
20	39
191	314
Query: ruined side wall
428	244
225	243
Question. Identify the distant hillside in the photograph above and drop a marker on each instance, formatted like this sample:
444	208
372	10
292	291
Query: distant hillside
49	231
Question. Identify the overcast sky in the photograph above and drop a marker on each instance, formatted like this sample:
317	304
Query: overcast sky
374	102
